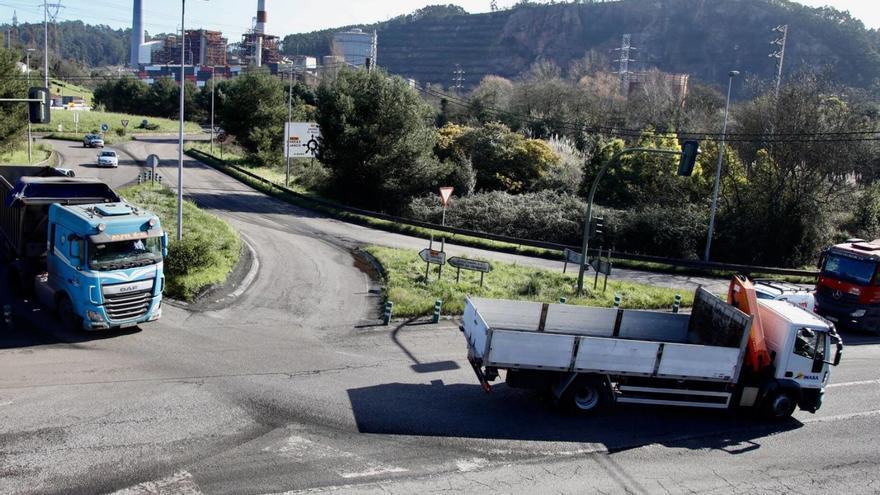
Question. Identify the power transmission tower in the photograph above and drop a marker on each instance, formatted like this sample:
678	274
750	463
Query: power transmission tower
458	78
625	52
493	5
779	54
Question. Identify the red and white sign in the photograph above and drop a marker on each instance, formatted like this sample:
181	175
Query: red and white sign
445	194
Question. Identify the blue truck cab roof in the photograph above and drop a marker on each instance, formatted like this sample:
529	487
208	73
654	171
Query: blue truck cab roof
108	222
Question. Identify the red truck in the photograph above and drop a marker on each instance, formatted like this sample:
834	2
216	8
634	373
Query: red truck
848	290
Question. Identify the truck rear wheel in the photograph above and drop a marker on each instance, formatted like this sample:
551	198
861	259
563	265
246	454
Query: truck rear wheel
586	396
779	405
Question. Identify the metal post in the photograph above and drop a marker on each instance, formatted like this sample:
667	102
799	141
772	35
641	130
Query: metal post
180	143
213	90
289	118
30	138
717	189
46	43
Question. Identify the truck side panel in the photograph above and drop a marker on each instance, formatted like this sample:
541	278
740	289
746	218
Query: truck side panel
579	320
475	329
597	355
714	363
513	349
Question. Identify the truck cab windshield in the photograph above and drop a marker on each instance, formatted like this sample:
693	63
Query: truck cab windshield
853	270
125	254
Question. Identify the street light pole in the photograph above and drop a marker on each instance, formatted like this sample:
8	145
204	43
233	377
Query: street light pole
180	143
589	217
46	44
717	189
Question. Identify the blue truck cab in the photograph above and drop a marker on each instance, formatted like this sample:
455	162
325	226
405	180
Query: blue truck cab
106	259
81	249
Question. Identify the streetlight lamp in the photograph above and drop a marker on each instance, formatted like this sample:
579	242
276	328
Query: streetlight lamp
717	189
30	138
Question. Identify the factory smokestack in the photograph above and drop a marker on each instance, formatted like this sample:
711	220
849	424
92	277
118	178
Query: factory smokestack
137	32
262	16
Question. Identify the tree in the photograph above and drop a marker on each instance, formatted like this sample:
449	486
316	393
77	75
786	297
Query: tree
12	85
254	111
377	139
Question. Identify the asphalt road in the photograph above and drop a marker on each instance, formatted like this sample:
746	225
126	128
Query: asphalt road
293	387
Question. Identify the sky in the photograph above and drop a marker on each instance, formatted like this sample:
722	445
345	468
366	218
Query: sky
234	17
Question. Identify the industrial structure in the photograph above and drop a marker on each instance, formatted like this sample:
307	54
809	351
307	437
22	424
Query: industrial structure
356	47
137	33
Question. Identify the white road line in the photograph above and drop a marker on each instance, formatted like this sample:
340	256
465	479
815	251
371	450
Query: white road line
180	483
374	471
252	274
841	417
854	384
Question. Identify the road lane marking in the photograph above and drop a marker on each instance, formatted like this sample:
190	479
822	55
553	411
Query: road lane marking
841	417
374	471
180	483
854	384
252	274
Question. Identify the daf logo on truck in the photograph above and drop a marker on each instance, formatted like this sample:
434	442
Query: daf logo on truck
48	223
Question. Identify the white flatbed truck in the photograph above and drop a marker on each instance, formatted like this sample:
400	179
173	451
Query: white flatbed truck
774	359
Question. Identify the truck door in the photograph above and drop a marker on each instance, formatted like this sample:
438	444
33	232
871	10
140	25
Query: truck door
806	363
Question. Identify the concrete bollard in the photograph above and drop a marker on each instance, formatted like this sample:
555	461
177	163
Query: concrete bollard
388	313
617	300
438	307
562	300
676	305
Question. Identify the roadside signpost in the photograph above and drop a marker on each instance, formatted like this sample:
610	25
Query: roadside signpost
124	123
301	141
572	257
432	257
76	122
445	195
153	164
460	264
105	127
602	266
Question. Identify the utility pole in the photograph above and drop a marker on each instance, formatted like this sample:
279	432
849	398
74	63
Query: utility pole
46	44
182	109
717	189
623	71
458	79
779	53
287	138
30	138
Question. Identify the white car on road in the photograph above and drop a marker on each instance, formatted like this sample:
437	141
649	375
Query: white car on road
108	158
801	297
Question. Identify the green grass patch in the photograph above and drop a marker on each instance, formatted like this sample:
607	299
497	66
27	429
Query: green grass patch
413	295
210	248
91	122
62	88
39	153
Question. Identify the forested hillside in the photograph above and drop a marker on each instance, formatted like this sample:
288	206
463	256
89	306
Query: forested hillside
704	38
88	45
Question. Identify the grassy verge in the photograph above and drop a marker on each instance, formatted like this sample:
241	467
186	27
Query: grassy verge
39	153
67	89
91	122
406	286
220	242
275	179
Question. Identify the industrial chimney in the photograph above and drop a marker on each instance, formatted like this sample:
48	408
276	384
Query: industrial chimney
137	32
261	17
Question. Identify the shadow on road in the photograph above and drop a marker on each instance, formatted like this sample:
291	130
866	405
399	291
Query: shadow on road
246	203
855	337
461	410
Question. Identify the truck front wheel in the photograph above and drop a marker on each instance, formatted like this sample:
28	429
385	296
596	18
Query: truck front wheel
779	405
69	319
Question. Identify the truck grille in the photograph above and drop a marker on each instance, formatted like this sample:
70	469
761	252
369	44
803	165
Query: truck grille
128	306
845	299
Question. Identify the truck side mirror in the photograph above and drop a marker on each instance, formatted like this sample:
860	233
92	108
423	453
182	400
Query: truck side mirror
165	245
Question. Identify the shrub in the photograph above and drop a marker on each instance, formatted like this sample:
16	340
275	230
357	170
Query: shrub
187	256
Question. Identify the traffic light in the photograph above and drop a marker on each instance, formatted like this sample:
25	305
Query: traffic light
689	152
597	225
39	111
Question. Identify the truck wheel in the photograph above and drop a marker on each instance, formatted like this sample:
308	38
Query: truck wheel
779	405
586	396
69	319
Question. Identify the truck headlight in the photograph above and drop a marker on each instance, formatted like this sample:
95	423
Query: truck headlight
95	316
858	313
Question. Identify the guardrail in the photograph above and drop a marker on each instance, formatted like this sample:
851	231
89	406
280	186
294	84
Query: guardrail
678	263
